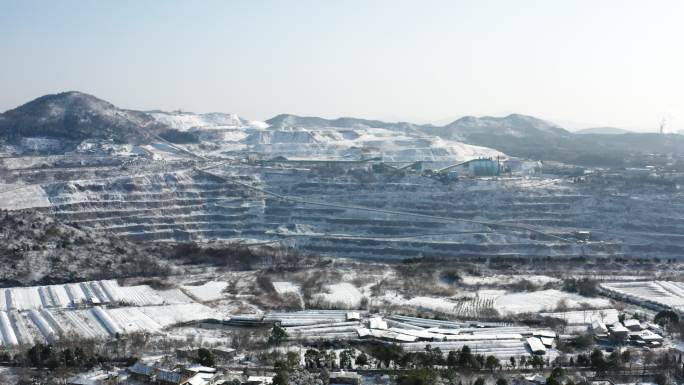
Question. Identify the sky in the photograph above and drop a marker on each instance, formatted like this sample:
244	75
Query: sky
578	63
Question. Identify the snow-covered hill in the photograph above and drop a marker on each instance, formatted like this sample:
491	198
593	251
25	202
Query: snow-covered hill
75	116
185	121
315	138
514	125
603	131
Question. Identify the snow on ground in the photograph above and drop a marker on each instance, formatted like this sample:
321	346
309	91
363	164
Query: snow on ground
468	305
321	142
586	317
184	121
23	162
544	300
40	313
210	291
285	287
473	304
490	294
144	295
163	151
664	293
172	314
502	279
341	293
334	142
86	293
86	324
443	305
17	197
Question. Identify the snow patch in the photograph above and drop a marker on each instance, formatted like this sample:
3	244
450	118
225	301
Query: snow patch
544	300
341	293
285	287
210	291
17	197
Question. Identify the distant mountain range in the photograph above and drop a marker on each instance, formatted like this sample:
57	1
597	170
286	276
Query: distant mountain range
73	116
524	136
296	137
603	131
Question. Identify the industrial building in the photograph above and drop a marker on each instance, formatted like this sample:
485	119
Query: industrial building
479	167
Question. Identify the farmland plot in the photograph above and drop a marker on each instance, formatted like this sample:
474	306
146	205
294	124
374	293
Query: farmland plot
86	294
24	336
140	296
307	317
464	306
658	294
132	320
79	324
210	291
286	287
585	317
502	349
169	315
545	300
9	336
342	294
329	331
501	279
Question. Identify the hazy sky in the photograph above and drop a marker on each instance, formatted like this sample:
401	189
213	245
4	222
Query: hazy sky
613	63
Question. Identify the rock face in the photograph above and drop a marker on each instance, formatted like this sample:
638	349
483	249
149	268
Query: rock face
72	117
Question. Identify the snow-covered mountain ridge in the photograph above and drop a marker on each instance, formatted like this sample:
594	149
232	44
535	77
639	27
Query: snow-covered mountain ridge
316	138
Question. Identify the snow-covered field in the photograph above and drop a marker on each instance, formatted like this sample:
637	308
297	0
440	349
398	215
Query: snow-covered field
185	121
343	293
545	300
501	279
286	287
210	291
101	322
17	197
95	309
295	142
474	304
661	293
86	294
585	317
